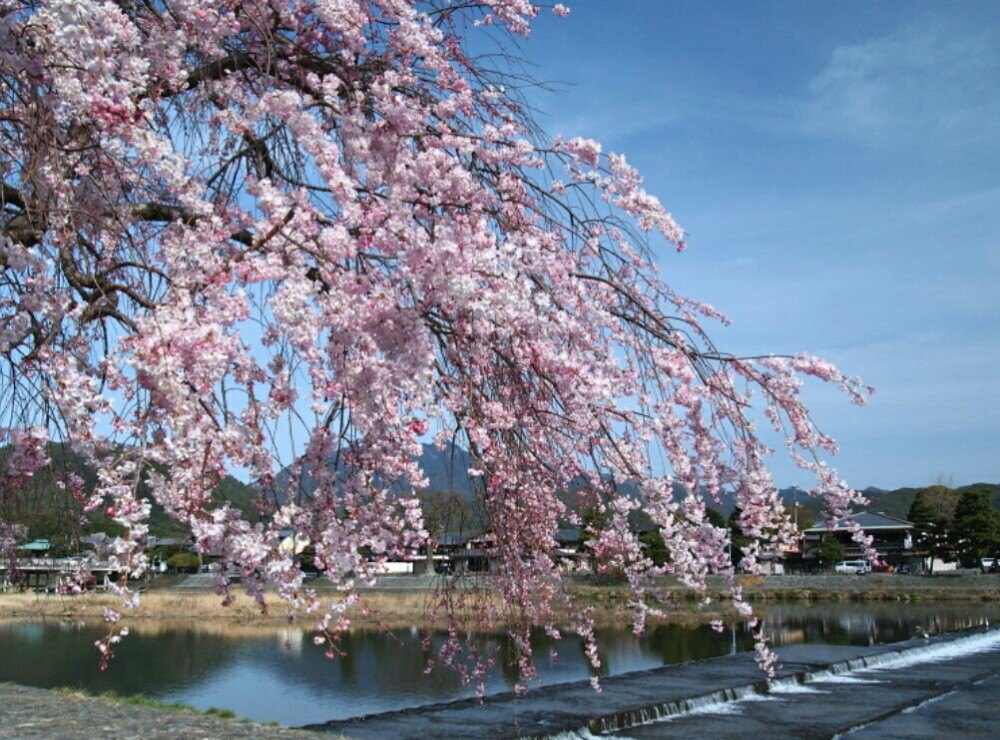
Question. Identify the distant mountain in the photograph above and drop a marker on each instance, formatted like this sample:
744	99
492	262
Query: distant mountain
447	471
896	502
50	511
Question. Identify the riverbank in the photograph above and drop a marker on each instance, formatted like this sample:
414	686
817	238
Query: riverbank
921	688
377	609
265	672
873	587
29	712
413	602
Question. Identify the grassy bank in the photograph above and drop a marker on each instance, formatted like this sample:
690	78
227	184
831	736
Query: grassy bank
377	609
26	711
141	700
418	607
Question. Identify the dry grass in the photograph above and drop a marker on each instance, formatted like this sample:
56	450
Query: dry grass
154	605
423	608
377	609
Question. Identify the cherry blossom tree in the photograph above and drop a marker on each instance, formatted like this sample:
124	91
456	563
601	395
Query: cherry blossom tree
257	236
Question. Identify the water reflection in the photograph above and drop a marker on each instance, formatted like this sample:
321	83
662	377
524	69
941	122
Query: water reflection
268	674
869	624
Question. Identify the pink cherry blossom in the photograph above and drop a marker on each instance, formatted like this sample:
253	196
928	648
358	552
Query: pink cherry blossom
271	237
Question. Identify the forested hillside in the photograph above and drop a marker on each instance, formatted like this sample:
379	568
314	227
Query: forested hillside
51	509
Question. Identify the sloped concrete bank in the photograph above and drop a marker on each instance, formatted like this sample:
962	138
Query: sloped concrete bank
696	697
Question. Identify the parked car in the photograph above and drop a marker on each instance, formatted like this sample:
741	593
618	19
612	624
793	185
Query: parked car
853	567
990	565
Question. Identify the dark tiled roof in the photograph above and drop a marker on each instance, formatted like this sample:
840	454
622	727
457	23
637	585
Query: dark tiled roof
568	535
867	520
451	540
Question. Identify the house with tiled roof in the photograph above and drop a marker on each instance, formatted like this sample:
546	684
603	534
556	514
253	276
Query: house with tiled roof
893	538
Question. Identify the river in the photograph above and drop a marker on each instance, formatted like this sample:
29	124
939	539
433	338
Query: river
270	674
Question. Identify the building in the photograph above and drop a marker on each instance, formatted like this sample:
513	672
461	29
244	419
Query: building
571	554
893	539
475	556
35	549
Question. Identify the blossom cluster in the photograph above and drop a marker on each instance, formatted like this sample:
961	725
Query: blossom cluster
301	239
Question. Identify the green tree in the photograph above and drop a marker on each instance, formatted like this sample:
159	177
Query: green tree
930	525
830	550
943	499
976	530
714	517
653	547
592	520
736	536
186	562
800	515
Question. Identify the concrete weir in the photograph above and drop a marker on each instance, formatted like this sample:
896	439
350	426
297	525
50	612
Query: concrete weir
819	691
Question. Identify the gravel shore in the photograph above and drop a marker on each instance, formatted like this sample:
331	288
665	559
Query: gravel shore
27	712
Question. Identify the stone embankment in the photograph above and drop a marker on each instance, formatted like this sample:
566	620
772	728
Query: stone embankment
876	586
873	587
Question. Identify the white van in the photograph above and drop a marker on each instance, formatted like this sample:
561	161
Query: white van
853	567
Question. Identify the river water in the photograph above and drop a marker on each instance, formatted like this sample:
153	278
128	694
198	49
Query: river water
270	674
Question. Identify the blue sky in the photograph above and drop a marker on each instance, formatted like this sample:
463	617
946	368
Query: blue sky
837	166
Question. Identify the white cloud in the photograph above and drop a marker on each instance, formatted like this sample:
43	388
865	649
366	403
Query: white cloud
931	79
614	120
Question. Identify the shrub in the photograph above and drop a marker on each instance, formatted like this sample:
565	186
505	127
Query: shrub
186	562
